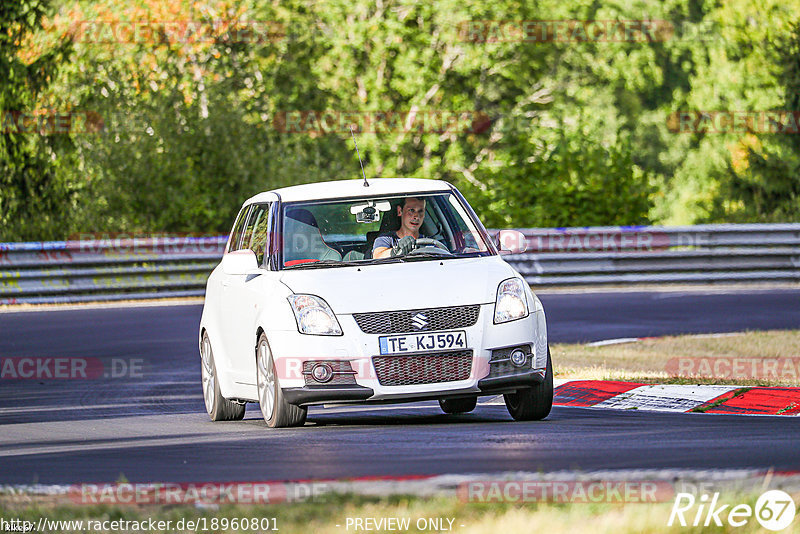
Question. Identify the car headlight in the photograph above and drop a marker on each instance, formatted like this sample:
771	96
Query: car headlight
511	303
314	316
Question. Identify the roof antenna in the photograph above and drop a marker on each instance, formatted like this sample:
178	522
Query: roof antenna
366	183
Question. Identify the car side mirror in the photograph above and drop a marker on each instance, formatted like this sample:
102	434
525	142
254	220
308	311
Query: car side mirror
239	262
511	242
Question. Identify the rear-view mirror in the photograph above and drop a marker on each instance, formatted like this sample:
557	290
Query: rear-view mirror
511	242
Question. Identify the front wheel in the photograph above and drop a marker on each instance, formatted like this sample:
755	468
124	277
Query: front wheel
533	403
217	406
276	411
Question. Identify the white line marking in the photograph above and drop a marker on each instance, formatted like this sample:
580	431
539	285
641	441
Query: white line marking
99	305
616	341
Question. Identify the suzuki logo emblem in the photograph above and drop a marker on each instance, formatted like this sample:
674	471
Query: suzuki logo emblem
419	321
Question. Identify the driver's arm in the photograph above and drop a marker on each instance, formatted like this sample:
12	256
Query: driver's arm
382	252
382	248
404	246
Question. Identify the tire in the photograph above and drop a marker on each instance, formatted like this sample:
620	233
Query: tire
458	405
534	403
276	411
217	406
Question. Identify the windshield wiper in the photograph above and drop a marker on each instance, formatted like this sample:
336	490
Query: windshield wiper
376	261
429	255
322	263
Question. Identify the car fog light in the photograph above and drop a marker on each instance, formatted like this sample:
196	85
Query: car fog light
518	358
322	372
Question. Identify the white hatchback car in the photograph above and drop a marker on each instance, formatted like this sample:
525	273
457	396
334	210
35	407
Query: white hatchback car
299	312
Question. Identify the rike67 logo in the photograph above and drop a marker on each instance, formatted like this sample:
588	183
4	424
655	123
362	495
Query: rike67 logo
774	510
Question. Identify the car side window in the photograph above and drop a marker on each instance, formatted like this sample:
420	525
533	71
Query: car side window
257	231
238	226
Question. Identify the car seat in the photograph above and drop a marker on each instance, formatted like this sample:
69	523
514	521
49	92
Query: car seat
303	240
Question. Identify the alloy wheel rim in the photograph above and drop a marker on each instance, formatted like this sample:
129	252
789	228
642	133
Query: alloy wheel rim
209	381
266	381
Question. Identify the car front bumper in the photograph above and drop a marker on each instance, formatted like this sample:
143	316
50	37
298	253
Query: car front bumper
306	395
310	395
292	349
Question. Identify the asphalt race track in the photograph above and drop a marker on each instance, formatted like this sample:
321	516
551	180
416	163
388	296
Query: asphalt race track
153	428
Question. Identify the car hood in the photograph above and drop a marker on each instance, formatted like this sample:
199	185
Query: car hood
403	286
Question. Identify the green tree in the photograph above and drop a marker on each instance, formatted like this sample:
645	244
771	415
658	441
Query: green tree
35	196
736	67
189	131
553	106
569	132
768	189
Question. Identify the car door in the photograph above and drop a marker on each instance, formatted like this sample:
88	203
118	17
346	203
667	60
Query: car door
241	297
215	309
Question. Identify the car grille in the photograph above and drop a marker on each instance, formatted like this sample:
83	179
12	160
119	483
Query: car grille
429	368
505	368
399	322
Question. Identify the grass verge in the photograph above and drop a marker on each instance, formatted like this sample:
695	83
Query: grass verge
770	358
330	515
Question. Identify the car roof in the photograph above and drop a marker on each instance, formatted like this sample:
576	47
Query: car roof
352	188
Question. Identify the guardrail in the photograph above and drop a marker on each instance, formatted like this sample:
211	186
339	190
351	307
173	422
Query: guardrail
107	269
714	253
121	269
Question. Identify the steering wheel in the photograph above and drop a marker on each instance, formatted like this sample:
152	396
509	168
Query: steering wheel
428	245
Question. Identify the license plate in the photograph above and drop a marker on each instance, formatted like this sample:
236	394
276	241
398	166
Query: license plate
423	342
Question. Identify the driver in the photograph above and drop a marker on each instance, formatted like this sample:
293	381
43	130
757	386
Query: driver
401	242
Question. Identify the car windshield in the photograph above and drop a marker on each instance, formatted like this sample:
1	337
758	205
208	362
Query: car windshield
338	233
